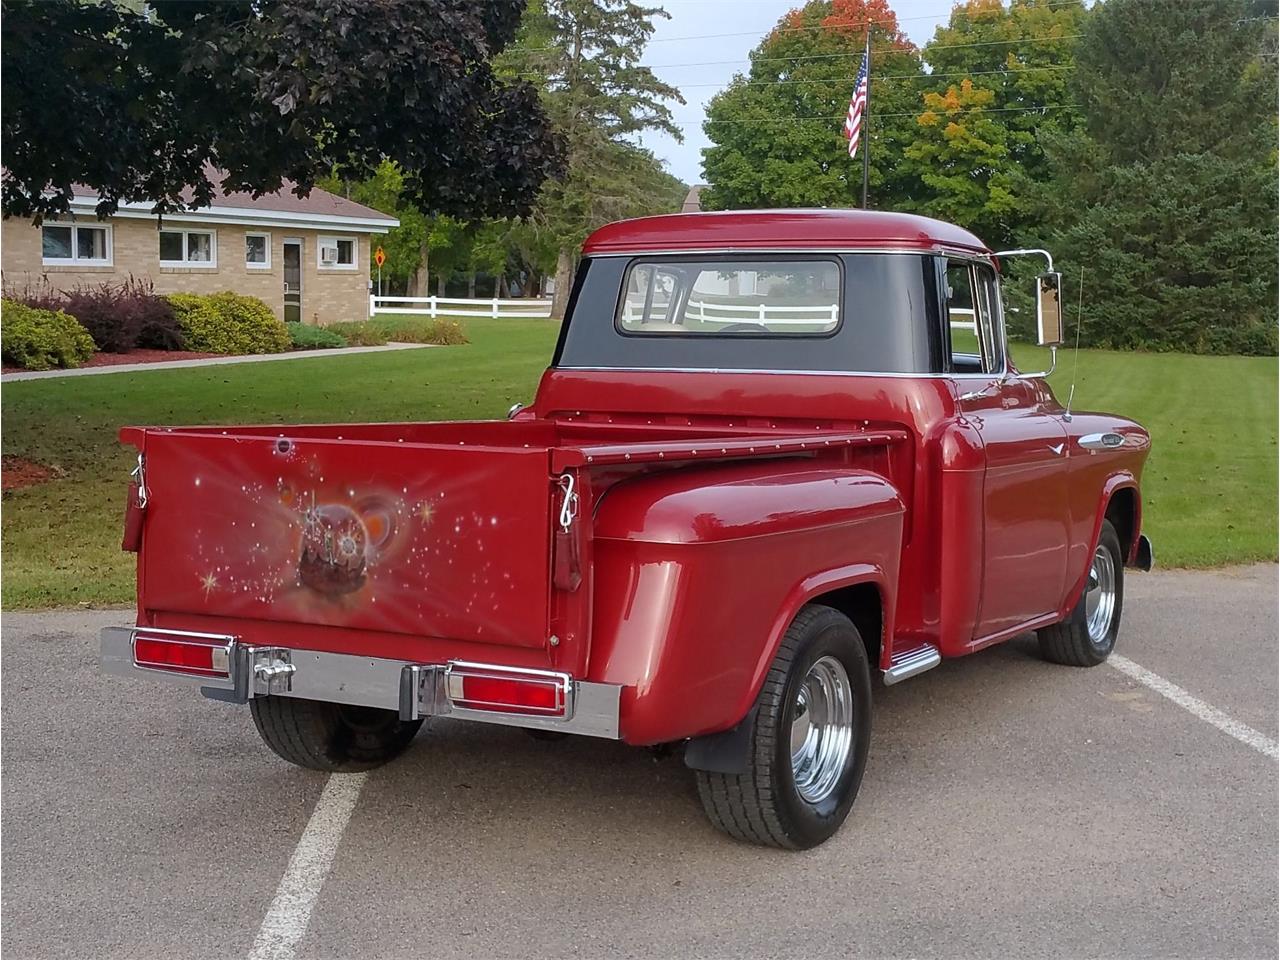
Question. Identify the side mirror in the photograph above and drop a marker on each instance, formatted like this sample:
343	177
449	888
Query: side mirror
1049	309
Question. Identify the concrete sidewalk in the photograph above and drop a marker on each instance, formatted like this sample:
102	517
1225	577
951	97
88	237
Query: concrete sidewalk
208	362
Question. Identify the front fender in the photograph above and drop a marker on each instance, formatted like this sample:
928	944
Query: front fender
699	571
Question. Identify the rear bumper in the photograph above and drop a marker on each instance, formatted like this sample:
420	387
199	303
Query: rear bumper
412	689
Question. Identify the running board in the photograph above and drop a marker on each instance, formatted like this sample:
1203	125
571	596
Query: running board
908	663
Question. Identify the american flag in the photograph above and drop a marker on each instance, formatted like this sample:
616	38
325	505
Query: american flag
858	103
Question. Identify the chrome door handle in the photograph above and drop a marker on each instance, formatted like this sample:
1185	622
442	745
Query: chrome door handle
1101	441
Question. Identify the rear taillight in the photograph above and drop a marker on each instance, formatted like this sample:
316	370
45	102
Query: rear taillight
474	686
194	657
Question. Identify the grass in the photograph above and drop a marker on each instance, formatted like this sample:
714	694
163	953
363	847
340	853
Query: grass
1210	487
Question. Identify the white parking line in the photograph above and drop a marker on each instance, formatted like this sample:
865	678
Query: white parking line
290	911
1209	714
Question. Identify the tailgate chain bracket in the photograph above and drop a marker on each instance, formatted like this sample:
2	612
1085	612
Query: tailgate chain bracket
569	505
272	670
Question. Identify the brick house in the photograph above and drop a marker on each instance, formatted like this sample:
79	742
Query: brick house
308	259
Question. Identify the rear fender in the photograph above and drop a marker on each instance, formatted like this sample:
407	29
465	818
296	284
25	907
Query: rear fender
729	751
700	571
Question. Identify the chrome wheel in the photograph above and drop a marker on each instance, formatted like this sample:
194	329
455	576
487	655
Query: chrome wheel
1100	595
821	729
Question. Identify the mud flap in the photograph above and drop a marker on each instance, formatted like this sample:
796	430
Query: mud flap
726	752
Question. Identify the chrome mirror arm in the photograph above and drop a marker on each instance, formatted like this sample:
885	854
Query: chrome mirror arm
1030	252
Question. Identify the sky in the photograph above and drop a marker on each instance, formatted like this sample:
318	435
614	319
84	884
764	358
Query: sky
696	34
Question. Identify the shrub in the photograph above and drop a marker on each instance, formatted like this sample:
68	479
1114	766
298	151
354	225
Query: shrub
229	323
360	334
41	339
98	310
158	328
443	331
306	336
118	318
40	294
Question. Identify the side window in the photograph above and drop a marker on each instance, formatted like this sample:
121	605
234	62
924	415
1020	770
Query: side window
990	318
974	323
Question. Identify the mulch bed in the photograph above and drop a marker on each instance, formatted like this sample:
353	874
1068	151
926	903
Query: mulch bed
133	356
18	472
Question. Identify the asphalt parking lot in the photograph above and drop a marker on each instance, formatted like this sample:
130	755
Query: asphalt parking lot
1011	808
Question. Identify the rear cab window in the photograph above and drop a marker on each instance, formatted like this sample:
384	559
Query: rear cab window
731	298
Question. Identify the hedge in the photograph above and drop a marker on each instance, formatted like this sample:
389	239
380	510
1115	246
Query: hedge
228	323
306	336
42	339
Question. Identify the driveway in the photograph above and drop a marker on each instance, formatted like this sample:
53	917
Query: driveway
1010	808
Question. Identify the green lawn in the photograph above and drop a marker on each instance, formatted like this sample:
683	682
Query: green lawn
1210	488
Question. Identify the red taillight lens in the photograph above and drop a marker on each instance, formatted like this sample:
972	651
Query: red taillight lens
515	692
180	656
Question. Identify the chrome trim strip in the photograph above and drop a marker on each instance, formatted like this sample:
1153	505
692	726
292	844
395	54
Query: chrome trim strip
911	663
804	373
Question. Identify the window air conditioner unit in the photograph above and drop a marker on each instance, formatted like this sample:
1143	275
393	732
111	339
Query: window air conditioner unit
328	254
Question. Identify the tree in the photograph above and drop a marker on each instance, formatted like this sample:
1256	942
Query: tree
138	101
1166	199
1000	79
777	131
598	96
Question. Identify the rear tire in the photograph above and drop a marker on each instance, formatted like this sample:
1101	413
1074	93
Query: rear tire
809	741
1087	637
330	736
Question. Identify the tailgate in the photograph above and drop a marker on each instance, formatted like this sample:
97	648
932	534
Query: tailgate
422	539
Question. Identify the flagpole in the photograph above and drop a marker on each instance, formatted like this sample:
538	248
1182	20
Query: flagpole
866	120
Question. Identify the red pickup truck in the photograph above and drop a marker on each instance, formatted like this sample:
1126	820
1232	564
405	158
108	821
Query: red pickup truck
776	453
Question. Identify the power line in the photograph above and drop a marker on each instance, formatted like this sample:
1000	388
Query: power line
852	53
892	76
884	116
809	29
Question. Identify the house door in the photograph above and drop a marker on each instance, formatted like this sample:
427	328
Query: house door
292	280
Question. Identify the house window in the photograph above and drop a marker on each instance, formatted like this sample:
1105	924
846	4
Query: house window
188	248
75	245
336	253
257	251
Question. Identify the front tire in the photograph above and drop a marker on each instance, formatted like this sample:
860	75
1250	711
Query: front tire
1087	637
809	742
332	737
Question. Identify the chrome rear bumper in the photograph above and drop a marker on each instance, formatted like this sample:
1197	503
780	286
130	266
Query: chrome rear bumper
412	689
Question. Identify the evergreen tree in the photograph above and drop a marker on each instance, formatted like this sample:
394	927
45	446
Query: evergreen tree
777	131
1167	198
598	97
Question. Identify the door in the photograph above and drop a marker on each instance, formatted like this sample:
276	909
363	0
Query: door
1025	508
292	280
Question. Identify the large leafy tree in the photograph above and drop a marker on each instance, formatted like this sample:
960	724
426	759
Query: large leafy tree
139	100
999	82
586	54
1166	200
776	131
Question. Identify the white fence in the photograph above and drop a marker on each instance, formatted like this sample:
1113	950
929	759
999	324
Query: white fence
446	307
704	311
